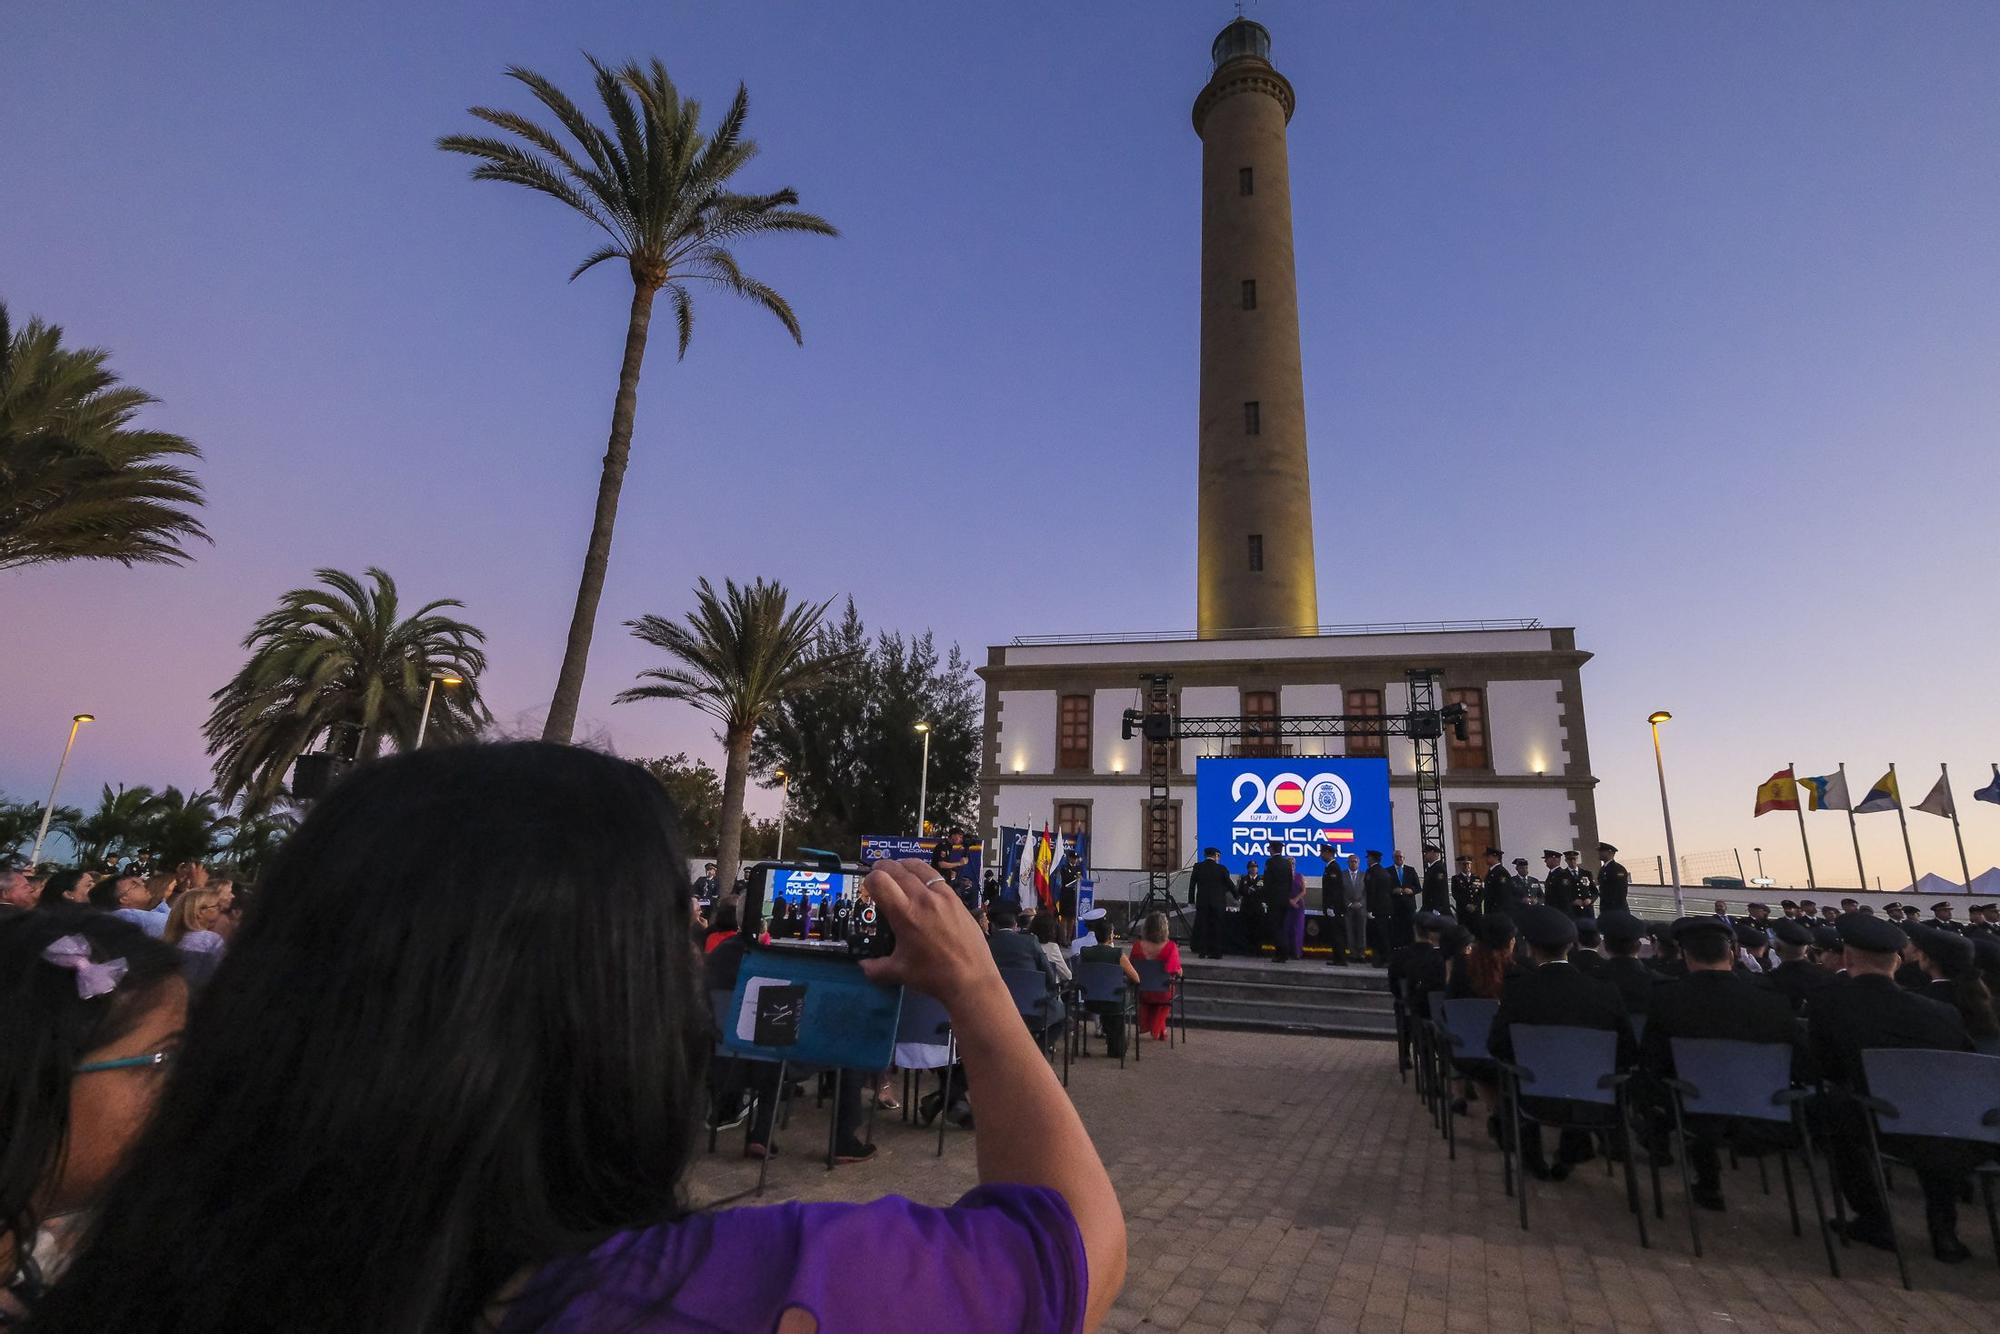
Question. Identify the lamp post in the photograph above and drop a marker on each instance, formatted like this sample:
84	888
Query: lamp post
1760	862
924	778
783	800
430	692
76	720
1666	816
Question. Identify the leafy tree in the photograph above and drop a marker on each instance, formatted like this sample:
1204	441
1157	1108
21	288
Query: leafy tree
696	790
341	659
659	188
20	819
185	828
77	480
851	744
117	830
741	654
255	840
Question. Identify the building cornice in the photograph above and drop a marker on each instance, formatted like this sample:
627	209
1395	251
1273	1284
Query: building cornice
1246	74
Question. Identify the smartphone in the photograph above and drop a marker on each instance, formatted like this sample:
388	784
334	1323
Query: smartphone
807	893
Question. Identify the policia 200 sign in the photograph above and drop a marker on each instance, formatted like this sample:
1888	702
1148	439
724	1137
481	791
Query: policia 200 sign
1302	802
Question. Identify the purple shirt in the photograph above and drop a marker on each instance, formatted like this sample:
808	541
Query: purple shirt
1002	1258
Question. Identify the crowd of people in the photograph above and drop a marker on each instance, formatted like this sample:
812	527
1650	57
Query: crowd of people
1829	989
451	1071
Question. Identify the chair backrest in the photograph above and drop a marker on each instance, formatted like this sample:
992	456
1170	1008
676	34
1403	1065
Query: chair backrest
923	1019
1565	1062
1153	975
1103	982
1437	1007
1731	1078
1638	1022
1949	1094
1031	992
1466	1024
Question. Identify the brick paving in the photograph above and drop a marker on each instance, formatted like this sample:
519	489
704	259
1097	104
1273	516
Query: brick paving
1289	1183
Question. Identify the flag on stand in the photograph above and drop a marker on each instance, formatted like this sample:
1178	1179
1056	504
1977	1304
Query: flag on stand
1044	859
1991	792
1939	801
1828	792
1882	797
1777	793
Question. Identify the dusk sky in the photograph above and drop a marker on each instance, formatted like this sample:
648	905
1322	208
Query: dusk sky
1675	322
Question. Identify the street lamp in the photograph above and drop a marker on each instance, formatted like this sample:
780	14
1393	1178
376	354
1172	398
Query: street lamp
430	691
76	720
924	778
1760	862
1666	817
783	800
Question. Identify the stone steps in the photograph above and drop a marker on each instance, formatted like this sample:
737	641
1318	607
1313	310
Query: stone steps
1300	997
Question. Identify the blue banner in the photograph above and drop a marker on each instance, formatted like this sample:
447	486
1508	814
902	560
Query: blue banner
874	847
1301	802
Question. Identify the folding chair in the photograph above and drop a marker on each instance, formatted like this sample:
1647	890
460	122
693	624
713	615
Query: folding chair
1039	1005
1105	984
1463	1025
1950	1095
921	1028
1153	976
718	1008
1745	1081
1578	1067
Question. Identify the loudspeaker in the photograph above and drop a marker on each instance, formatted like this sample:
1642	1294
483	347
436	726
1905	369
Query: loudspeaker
316	772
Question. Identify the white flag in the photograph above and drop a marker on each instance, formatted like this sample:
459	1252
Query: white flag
1939	801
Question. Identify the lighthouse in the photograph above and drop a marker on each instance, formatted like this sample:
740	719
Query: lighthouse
1254	512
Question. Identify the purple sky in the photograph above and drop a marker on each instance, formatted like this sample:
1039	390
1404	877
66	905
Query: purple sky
1676	322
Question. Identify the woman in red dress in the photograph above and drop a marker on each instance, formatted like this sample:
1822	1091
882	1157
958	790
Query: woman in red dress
1153	943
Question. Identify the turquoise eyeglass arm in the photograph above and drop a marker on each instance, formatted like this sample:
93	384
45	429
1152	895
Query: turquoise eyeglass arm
123	1063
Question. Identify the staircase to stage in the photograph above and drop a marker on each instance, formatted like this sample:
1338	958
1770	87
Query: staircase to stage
1303	996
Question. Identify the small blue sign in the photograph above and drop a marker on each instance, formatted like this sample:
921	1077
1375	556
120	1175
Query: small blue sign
1301	801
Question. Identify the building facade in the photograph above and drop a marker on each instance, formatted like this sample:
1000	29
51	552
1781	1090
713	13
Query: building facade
1521	780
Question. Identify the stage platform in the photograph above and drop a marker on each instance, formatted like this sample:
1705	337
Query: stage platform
1303	996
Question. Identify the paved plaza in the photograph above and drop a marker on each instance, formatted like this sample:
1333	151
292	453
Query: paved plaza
1294	1183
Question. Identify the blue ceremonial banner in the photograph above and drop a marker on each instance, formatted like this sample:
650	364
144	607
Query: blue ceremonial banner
874	847
1301	801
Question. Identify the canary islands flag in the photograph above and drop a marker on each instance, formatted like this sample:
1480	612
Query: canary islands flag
1826	792
1777	793
1882	797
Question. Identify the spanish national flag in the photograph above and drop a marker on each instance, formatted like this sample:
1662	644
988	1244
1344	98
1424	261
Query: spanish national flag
1779	792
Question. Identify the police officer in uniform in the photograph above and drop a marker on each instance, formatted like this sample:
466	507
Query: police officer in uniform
1796	977
1379	882
1211	889
1586	888
1464	890
1501	895
1622	967
1559	886
1613	882
1437	885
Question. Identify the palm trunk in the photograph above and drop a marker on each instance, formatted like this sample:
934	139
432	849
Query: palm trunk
576	653
729	838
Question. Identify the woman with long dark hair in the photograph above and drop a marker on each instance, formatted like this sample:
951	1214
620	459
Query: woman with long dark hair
89	1010
1952	965
449	1077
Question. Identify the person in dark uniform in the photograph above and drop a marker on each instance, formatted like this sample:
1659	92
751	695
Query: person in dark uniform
1069	875
1437	885
1403	904
1464	890
1380	886
1346	904
1278	889
1211	889
1796	977
1529	888
1404	965
1869	1010
1622	967
1941	918
1951	962
1828	952
1613	882
1500	895
1584	955
1586	888
1666	960
1250	886
1553	992
1714	1001
1558	885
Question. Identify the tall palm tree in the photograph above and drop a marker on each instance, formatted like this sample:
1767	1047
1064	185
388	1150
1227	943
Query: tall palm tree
340	659
20	819
658	187
77	480
740	654
255	840
186	827
116	830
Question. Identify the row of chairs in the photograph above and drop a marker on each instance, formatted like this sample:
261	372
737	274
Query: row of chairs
1720	1086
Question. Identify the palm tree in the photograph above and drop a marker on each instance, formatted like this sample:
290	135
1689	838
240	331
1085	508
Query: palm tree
658	187
116	830
20	819
340	661
255	840
77	480
740	654
186	828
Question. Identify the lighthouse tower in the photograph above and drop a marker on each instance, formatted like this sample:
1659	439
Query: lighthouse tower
1255	558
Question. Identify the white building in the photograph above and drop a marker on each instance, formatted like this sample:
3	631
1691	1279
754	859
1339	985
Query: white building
1521	781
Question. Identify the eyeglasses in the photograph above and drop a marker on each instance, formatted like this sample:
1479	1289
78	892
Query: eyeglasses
151	1060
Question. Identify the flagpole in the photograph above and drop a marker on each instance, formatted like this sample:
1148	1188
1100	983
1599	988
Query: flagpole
1853	833
1800	810
1904	821
1944	776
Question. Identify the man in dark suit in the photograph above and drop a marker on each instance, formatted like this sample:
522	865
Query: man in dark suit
1796	977
1464	890
1403	903
1014	948
1622	967
1554	992
1278	874
1211	889
1870	1010
1501	896
1380	885
1345	902
1437	885
1713	1001
1558	885
1614	882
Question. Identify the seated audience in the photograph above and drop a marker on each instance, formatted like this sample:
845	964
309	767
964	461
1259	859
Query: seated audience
1154	943
90	1010
392	1113
1047	932
1110	1013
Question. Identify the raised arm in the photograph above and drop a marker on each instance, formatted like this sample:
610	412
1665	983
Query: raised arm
1029	1132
